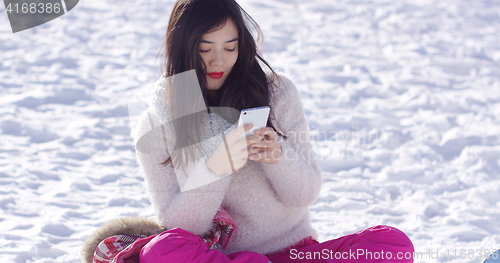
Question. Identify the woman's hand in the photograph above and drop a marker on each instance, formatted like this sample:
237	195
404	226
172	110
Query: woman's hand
267	150
233	156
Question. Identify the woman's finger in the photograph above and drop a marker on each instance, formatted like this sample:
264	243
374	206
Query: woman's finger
240	145
264	156
267	131
255	150
233	135
253	139
265	143
271	155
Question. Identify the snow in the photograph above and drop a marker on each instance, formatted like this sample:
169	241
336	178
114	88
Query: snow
402	98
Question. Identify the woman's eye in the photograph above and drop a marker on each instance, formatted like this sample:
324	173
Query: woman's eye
201	50
230	49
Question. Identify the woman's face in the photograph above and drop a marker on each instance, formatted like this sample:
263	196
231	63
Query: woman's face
219	51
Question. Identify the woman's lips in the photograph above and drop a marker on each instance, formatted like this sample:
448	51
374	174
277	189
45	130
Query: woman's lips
216	75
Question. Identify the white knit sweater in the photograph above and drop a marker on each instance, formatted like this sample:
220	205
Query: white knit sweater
268	202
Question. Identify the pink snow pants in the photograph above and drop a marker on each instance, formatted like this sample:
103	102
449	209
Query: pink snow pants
375	244
178	245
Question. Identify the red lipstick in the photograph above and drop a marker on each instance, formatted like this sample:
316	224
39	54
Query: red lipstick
216	75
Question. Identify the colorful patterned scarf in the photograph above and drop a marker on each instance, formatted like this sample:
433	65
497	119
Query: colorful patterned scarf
223	228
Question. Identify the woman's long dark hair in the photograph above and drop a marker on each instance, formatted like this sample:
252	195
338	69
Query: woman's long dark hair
246	86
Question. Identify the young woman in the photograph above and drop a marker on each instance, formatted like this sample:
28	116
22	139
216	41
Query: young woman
263	184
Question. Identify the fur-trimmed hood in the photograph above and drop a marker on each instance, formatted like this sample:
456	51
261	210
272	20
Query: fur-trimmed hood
132	225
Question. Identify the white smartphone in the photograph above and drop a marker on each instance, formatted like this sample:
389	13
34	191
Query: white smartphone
257	116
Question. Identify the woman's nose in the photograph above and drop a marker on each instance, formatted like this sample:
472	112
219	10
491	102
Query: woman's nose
217	59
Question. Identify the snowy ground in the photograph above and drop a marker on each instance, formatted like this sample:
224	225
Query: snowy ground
402	97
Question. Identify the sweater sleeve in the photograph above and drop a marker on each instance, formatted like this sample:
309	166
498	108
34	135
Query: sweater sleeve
192	210
296	177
